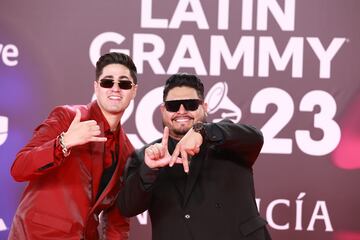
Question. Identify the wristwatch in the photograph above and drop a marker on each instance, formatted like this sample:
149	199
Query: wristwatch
199	128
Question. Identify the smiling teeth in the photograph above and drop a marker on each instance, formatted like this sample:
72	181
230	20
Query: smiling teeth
182	120
114	98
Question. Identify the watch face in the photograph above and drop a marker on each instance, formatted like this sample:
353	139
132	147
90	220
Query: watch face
198	127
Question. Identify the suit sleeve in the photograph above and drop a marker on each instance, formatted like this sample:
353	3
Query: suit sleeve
235	139
42	153
139	179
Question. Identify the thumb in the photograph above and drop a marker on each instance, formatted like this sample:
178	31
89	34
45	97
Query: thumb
77	117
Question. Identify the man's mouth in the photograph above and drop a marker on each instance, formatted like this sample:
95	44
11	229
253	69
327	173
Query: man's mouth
114	97
182	119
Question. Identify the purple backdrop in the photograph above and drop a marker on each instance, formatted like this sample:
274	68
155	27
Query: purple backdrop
289	67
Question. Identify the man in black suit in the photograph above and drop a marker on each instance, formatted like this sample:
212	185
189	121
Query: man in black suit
197	181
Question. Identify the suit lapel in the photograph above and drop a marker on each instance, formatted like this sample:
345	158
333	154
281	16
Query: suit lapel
175	173
97	151
114	185
195	168
177	180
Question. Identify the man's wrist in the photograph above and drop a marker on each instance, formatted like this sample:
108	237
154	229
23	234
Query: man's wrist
199	128
65	150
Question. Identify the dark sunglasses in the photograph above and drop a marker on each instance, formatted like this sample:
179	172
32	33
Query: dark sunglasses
189	104
109	83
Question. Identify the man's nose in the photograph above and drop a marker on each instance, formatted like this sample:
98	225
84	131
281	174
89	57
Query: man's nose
115	87
182	109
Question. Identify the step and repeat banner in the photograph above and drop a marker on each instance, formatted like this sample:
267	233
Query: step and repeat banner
289	67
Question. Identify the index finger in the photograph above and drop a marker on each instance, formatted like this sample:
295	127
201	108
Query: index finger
185	161
165	137
175	155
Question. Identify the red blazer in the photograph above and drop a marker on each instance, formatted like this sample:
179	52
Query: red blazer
60	200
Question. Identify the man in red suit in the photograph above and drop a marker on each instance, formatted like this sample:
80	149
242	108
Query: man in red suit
74	162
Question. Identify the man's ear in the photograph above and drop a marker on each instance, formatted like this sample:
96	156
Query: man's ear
205	106
134	91
95	87
162	108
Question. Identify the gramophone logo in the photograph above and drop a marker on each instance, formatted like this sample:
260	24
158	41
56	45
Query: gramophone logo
218	101
4	123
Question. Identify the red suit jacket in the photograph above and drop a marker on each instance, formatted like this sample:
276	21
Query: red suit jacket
60	199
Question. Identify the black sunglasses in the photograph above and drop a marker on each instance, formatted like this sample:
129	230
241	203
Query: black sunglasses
109	83
189	104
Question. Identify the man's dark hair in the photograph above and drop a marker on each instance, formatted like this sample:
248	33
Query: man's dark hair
184	80
116	58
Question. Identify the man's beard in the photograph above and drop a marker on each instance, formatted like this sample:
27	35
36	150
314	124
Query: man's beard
180	132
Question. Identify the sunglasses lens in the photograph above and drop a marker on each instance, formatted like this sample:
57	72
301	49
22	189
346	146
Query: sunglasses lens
172	106
106	83
189	105
125	85
109	83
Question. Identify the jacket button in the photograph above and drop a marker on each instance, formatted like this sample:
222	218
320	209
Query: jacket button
187	216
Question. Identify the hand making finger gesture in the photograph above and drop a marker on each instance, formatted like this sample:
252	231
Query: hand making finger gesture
157	155
80	133
187	147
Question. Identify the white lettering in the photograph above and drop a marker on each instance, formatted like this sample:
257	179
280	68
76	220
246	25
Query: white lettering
280	118
244	48
2	225
294	50
151	57
325	56
151	48
247	14
187	44
320	206
269	214
299	204
100	40
7	52
147	21
197	15
223	14
285	19
320	212
4	125
323	119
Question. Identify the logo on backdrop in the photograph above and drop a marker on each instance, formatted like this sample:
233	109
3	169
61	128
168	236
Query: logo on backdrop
2	225
188	54
4	123
9	54
218	101
257	54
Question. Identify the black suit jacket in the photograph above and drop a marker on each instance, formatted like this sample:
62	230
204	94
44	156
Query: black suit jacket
216	200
